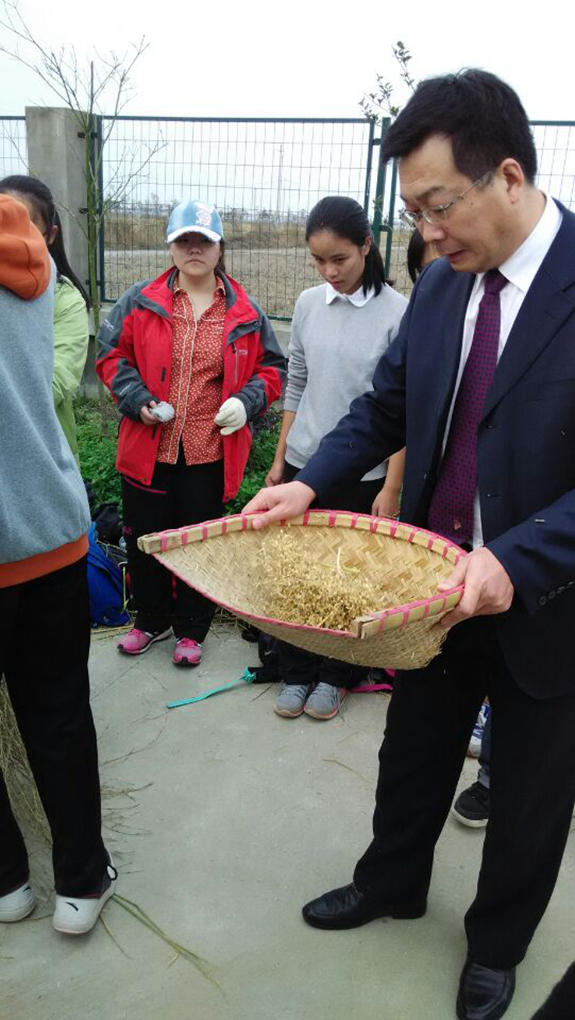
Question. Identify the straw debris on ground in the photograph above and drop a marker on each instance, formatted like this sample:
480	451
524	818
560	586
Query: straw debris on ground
16	771
25	801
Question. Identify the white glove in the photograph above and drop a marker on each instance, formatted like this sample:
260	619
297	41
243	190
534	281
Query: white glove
231	416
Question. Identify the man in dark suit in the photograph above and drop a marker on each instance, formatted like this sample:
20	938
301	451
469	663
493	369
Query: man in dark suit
480	387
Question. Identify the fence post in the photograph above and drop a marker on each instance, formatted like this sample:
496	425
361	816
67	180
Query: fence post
56	154
379	199
391	216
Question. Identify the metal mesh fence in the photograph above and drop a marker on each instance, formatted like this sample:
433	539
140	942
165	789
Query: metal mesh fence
555	144
13	147
263	175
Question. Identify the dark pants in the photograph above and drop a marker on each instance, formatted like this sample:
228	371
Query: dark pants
177	495
532	794
44	645
296	665
561	1003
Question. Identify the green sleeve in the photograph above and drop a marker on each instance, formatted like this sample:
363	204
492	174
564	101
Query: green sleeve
70	341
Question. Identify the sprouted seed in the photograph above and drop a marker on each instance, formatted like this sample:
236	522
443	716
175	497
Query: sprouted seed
300	590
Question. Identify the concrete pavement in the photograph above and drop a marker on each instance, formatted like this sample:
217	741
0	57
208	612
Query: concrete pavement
236	818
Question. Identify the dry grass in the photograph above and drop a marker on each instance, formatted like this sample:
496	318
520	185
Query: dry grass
270	259
274	276
16	771
149	232
25	802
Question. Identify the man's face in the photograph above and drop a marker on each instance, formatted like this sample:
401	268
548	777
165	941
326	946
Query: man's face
477	232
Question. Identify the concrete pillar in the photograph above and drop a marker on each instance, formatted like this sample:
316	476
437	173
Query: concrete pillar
56	156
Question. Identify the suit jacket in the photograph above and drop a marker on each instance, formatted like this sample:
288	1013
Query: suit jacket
525	447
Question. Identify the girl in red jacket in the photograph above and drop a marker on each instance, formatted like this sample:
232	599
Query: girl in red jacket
190	360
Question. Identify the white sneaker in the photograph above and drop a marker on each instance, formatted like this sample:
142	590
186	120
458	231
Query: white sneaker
17	904
78	916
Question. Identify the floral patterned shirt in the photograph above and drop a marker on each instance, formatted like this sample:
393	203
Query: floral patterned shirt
196	381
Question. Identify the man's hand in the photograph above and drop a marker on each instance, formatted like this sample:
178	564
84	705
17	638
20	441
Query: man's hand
281	502
145	416
488	588
386	503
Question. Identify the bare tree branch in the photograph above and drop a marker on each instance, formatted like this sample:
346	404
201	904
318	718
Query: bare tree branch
106	80
378	103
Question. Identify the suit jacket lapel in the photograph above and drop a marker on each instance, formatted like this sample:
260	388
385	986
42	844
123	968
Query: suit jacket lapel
544	309
452	339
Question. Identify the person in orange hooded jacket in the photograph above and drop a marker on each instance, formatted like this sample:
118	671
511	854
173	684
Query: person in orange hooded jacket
44	604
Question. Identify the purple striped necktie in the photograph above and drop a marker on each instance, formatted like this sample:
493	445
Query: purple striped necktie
451	510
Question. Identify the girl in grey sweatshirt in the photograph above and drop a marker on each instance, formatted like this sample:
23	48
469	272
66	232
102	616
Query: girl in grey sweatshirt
339	332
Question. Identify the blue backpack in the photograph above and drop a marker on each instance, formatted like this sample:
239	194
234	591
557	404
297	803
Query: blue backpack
106	586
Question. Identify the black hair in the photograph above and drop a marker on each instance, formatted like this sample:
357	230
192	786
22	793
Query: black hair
346	218
481	115
415	255
41	197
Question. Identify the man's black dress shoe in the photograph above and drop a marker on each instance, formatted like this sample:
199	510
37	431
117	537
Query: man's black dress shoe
484	994
347	907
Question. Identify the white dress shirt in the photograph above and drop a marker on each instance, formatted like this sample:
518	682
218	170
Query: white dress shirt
358	298
520	270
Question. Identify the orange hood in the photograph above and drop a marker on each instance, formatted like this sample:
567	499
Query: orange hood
24	259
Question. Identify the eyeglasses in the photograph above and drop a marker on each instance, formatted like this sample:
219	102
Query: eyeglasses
434	214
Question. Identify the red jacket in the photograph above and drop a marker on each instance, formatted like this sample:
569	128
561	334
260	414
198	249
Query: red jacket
135	357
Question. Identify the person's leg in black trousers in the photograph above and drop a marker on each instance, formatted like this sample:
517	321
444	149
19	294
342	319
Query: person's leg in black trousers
296	665
420	762
531	805
50	696
561	1003
532	795
198	496
147	509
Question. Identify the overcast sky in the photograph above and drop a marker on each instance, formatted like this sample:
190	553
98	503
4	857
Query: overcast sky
256	58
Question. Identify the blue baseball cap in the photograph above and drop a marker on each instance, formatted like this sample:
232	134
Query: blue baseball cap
195	218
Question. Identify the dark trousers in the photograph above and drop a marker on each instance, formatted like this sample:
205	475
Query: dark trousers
561	1003
532	794
296	665
44	645
177	495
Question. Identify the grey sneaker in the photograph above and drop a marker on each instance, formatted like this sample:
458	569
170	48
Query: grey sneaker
324	701
291	699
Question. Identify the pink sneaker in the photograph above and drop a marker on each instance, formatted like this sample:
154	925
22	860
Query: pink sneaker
137	641
187	652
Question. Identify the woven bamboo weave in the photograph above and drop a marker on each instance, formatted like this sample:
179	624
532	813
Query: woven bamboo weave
222	559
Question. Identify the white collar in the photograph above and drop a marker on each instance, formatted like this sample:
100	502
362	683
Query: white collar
522	267
358	298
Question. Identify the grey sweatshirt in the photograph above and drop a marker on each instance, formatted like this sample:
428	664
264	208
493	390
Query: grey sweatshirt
333	352
43	501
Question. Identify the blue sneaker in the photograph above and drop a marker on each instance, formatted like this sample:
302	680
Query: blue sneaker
291	699
474	749
325	701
